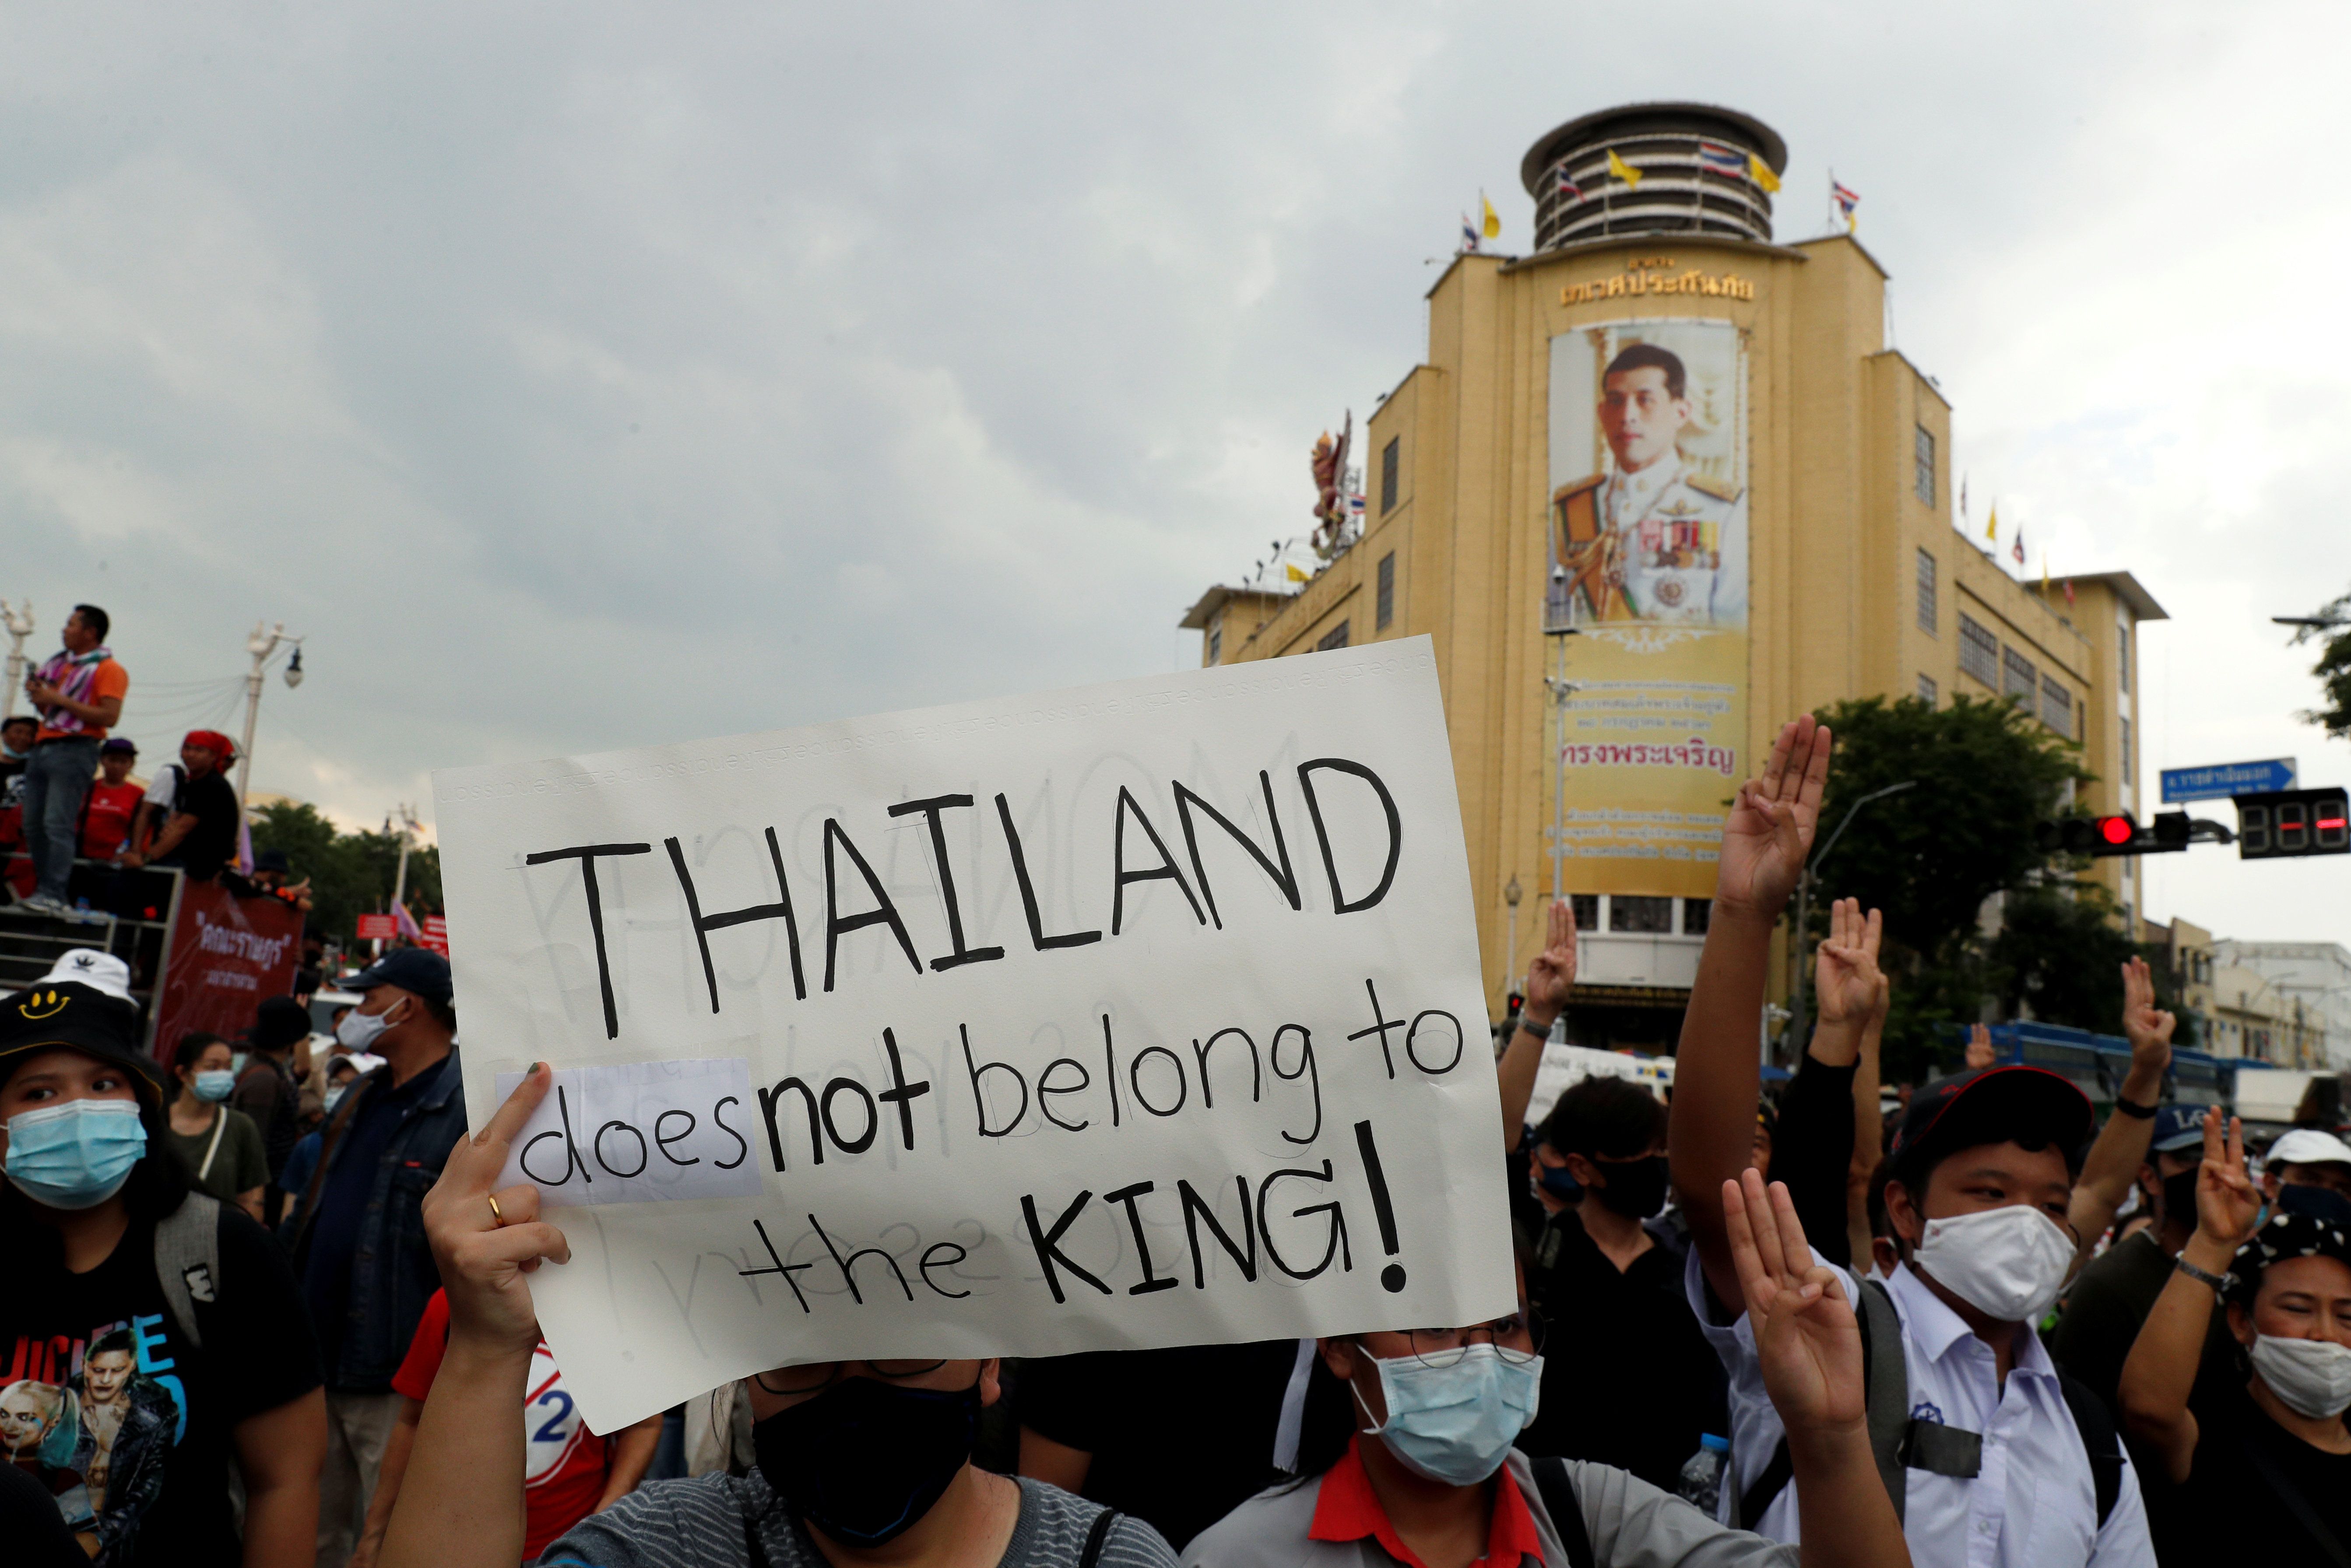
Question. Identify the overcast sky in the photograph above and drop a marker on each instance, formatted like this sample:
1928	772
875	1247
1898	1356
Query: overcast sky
578	376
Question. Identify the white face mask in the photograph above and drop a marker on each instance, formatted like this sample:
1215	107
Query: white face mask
2007	1263
2309	1375
358	1030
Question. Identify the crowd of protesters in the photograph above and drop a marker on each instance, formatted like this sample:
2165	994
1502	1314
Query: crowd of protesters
267	1304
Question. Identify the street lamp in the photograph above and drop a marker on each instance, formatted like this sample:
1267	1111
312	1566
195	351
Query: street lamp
1799	1000
261	644
1510	896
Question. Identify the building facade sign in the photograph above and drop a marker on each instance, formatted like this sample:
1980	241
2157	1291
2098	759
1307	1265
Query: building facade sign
1648	541
1638	281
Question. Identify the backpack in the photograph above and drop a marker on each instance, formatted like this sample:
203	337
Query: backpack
187	1261
1901	1443
1566	1510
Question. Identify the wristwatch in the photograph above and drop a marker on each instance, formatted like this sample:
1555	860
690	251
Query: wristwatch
2133	1108
1526	1028
2219	1282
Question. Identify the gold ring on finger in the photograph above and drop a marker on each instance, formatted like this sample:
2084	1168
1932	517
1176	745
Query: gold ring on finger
496	1212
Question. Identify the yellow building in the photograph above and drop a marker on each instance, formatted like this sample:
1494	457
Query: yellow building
1688	453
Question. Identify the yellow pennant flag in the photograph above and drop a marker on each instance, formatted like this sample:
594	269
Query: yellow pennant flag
1621	170
1991	530
1761	173
1296	574
1493	224
2045	574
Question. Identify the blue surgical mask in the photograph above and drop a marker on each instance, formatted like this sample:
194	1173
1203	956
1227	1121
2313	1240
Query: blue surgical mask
1558	1182
215	1084
236	1062
76	1154
1456	1423
328	1100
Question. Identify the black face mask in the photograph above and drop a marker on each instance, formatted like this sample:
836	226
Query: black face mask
1637	1188
864	1460
2179	1198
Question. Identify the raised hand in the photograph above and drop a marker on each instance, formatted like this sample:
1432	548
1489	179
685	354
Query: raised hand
1551	977
2227	1205
1979	1053
1769	830
484	1247
2148	1026
1844	967
1807	1341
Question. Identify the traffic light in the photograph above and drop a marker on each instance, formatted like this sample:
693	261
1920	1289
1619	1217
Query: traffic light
2120	834
2285	824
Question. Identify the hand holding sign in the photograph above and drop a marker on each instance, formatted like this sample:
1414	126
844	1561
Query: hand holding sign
486	1242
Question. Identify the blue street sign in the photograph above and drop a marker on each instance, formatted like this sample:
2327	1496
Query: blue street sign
2223	780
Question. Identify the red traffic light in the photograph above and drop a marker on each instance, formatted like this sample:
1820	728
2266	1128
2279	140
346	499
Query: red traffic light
2118	830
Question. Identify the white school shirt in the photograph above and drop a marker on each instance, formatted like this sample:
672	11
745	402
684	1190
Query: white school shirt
2035	1503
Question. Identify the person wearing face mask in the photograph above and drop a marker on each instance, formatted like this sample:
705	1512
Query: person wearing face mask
860	1463
359	1241
2259	1464
2316	1162
341	1071
2109	1302
218	1144
165	1323
1992	1457
1429	1479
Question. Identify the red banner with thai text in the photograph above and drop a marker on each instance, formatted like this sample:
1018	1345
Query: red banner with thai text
227	956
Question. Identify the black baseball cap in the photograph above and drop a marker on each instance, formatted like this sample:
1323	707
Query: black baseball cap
66	1014
280	1022
418	970
2028	1105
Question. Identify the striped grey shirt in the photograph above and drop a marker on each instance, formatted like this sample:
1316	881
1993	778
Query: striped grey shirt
699	1523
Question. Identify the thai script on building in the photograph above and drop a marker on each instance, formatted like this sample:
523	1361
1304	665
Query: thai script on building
1723	285
1692	753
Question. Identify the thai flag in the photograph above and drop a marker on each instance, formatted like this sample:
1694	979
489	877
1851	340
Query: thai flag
1569	188
1724	160
1845	199
404	923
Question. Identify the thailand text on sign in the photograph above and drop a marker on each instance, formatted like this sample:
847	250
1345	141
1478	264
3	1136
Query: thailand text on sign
1143	1015
2223	780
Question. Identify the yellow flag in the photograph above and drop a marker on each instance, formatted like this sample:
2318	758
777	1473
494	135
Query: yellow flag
1621	170
1761	173
2045	574
1296	574
1991	530
1493	224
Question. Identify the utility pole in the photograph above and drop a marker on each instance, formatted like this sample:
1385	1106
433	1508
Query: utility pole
260	645
19	617
1558	625
1800	995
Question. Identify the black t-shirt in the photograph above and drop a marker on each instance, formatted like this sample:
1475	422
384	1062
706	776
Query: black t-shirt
212	842
1629	1379
2226	1511
1179	1437
2108	1305
105	1403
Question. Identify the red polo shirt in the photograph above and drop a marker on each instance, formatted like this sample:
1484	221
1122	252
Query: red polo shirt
1347	1509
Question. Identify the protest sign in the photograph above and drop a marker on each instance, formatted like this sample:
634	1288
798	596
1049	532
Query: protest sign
1139	1015
228	955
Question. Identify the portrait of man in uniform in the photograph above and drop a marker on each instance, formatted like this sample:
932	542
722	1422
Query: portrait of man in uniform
1651	537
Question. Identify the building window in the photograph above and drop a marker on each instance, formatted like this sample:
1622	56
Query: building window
2128	774
2122	660
1926	593
1979	651
1391	460
1924	451
1217	641
2021	679
1696	914
2057	707
1387	615
1640	915
1335	638
1586	907
1927	692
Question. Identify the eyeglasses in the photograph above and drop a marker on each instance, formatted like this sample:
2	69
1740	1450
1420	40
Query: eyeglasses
1517	1339
816	1375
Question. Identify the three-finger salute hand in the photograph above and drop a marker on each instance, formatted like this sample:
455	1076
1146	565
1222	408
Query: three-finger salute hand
486	1241
1807	1341
2148	1026
1550	978
1979	1053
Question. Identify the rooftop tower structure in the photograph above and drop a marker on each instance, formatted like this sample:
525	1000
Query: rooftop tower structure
1692	160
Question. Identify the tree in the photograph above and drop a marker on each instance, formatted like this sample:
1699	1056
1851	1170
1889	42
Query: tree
2333	668
1984	774
350	873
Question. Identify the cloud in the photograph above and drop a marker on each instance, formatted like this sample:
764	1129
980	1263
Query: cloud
584	376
